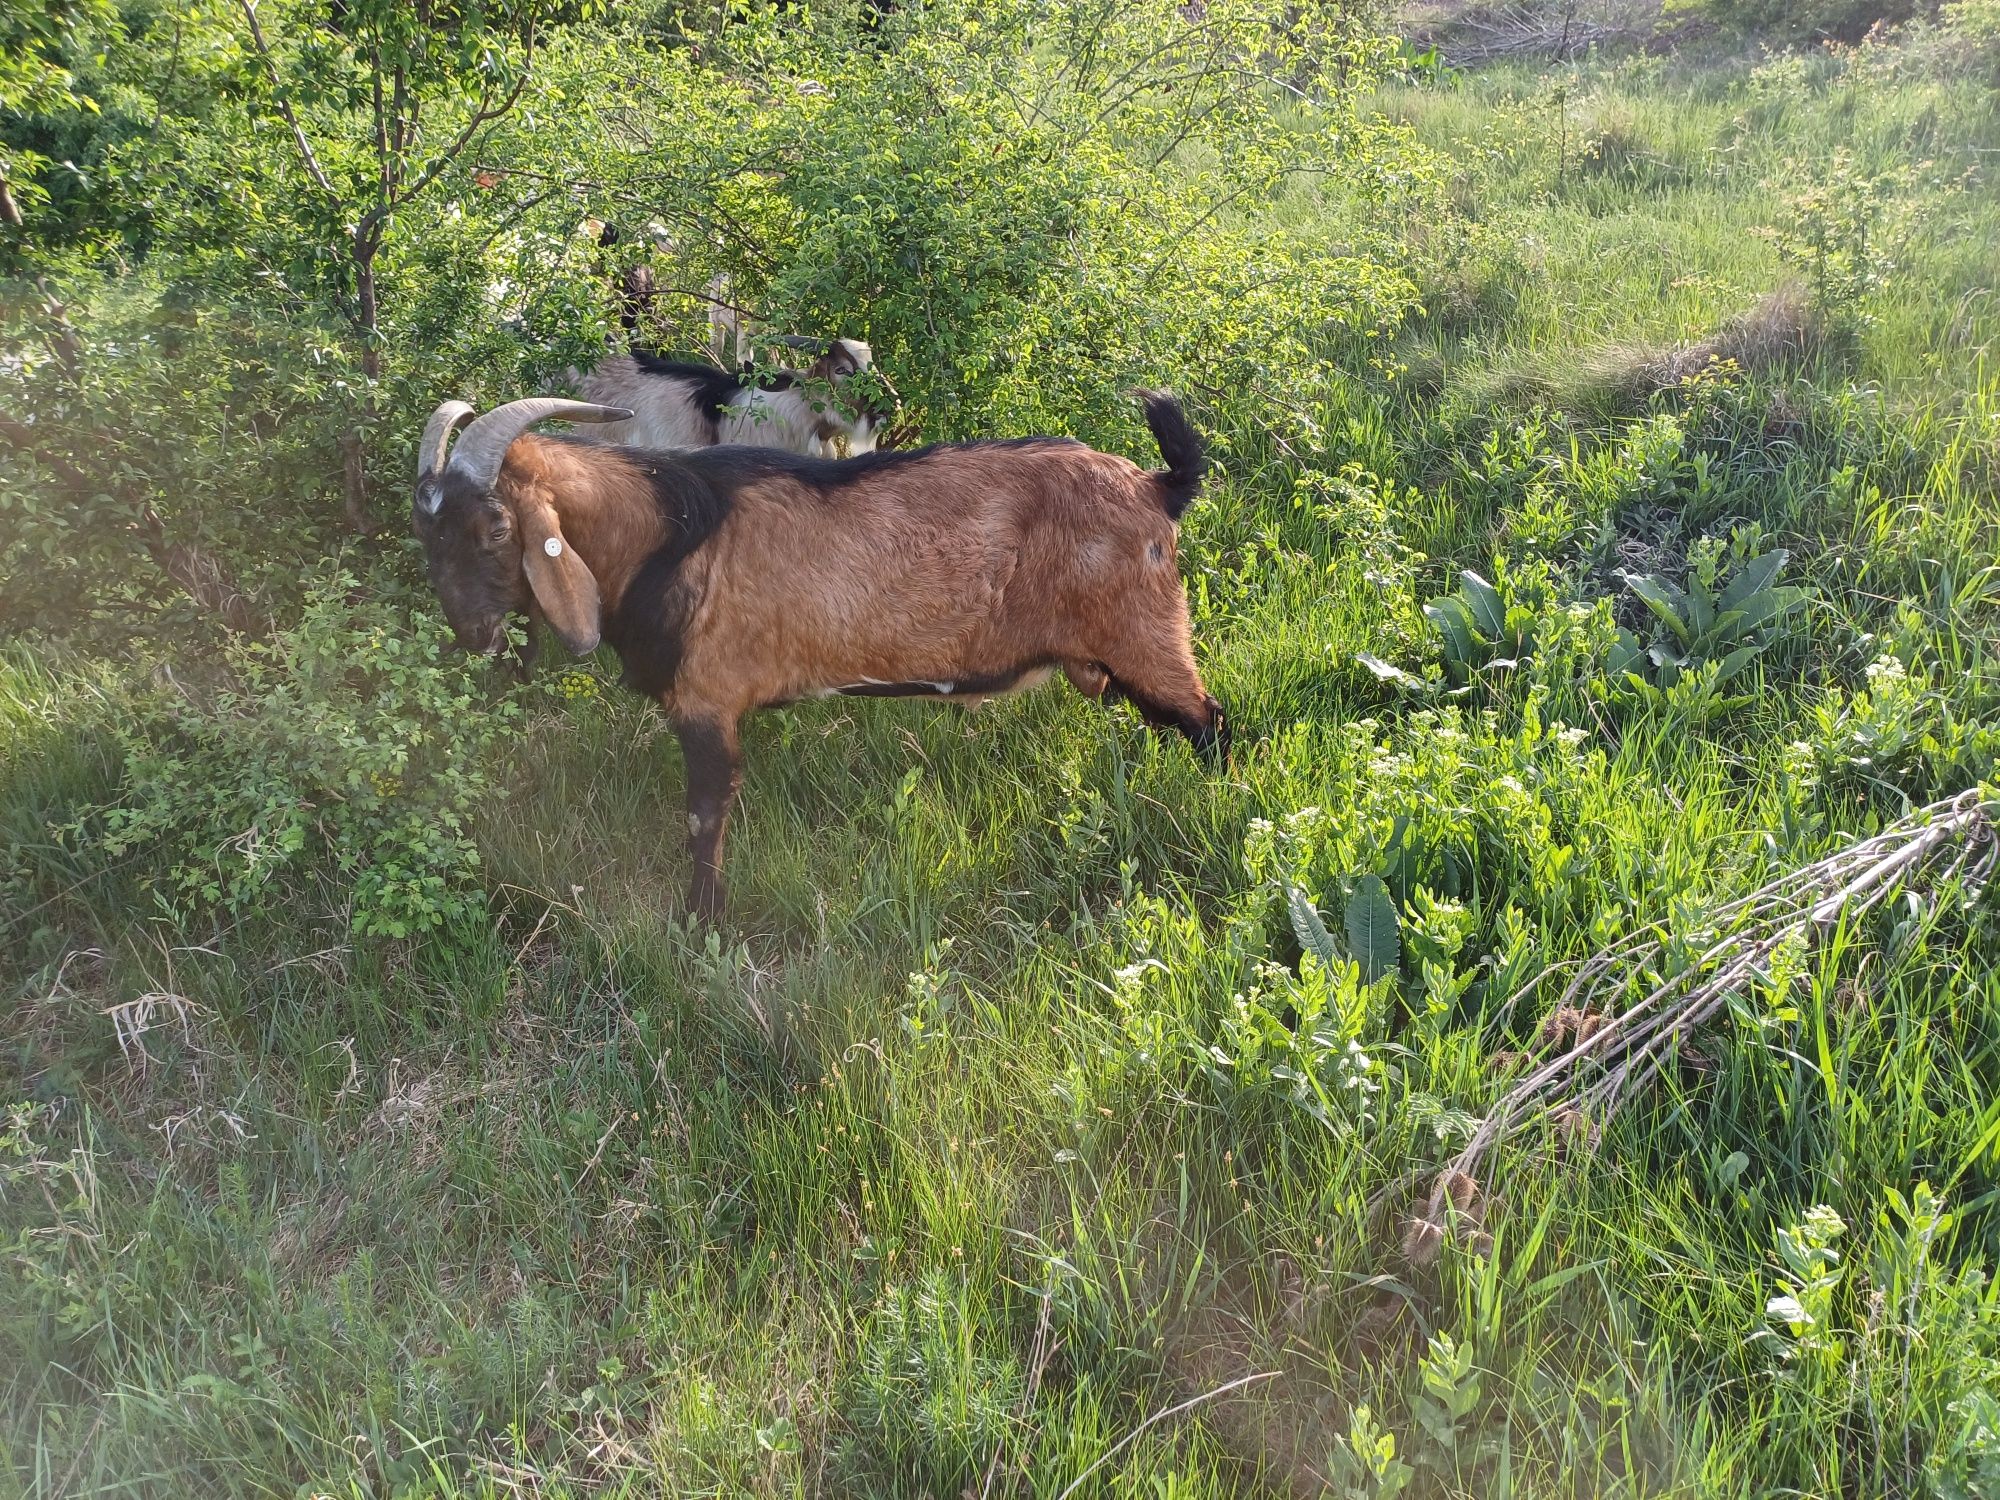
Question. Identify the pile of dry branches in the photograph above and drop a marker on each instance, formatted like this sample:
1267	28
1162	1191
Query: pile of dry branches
1946	842
1520	28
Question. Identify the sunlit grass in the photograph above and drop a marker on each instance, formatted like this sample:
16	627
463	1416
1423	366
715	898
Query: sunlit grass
956	1157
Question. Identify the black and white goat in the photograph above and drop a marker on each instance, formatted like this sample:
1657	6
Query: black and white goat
841	401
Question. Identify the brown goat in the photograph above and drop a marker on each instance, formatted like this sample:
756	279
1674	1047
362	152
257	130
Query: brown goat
730	579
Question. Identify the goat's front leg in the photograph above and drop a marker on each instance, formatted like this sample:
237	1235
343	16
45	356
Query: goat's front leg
714	762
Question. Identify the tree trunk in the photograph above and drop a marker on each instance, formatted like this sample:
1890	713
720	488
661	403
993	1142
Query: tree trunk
353	472
371	349
62	337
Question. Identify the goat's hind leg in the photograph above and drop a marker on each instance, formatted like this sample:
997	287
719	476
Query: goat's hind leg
1168	693
714	760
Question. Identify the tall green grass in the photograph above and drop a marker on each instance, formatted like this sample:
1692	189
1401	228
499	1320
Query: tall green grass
980	1138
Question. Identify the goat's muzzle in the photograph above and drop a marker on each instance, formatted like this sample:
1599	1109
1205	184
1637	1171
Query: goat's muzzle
475	641
1212	740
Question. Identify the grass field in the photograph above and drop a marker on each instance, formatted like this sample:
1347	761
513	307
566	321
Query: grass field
1009	1113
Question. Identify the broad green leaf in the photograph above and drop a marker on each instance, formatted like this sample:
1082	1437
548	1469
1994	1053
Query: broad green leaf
1725	627
1735	662
1771	606
1663	599
1700	607
1449	616
1485	603
1753	577
1623	655
1372	929
1310	930
1385	672
1520	626
1789	1311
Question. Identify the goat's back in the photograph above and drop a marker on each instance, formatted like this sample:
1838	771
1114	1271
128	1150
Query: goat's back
669	413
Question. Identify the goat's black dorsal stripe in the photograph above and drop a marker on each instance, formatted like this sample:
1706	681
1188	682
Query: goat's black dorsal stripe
710	388
647	626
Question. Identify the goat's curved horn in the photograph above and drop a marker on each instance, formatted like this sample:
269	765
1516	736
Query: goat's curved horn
479	453
446	420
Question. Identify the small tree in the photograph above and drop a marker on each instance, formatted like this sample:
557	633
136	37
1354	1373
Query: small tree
379	99
34	35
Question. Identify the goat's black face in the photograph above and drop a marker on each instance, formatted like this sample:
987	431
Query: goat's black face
472	552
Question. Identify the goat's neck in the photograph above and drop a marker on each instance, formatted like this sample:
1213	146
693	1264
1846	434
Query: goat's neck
614	523
772	419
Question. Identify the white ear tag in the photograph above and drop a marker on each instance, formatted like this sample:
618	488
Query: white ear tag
553	546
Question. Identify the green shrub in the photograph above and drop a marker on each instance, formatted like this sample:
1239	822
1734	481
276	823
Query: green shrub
212	414
1489	627
1709	629
934	1389
1842	233
354	739
1897	729
1971	31
1028	210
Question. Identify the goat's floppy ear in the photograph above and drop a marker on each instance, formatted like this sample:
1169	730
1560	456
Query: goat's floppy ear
564	588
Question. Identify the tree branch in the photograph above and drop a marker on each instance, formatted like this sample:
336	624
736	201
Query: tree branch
722	226
381	123
173	68
484	115
306	155
399	128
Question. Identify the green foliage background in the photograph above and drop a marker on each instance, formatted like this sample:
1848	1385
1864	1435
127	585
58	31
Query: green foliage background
1602	524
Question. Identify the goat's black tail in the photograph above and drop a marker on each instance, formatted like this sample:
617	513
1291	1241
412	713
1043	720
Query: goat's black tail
1179	446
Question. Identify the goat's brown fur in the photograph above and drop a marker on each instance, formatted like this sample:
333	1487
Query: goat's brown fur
973	563
959	572
599	504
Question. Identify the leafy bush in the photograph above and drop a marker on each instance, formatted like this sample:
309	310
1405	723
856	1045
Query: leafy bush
1972	30
1488	627
354	739
1842	233
1026	210
1708	630
1899	729
213	415
1303	1038
1814	20
933	1388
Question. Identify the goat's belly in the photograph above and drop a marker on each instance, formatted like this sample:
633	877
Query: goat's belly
973	685
829	625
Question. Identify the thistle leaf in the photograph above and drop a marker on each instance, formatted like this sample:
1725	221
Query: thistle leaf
1310	930
1373	932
